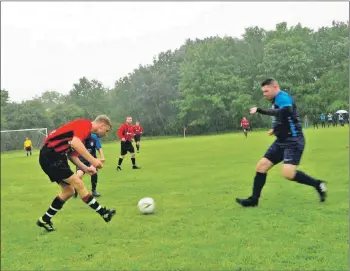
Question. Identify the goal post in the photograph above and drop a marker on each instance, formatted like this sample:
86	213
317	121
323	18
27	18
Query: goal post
14	139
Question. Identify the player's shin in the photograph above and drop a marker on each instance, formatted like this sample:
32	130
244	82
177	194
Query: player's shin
92	202
259	182
303	178
94	182
55	206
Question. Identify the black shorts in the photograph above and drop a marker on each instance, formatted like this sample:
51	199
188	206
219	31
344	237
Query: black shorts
55	165
126	146
137	138
28	148
289	151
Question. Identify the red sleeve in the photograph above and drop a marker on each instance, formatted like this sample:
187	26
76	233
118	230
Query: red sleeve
141	129
82	129
74	154
121	131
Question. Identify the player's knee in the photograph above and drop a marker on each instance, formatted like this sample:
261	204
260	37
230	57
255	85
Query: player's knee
263	165
67	192
77	182
289	171
80	173
132	155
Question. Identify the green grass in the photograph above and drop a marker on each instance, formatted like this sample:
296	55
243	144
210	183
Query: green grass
197	226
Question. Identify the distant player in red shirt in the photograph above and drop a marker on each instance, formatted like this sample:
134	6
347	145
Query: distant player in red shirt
245	126
67	142
126	133
138	131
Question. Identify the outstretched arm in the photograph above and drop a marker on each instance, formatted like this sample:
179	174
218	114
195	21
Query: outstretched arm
275	112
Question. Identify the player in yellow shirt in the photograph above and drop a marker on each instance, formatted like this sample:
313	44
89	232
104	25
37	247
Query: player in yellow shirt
28	146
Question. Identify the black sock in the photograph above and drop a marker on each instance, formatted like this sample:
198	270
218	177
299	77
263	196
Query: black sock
56	205
259	182
133	160
120	161
93	182
30	153
303	178
92	202
138	147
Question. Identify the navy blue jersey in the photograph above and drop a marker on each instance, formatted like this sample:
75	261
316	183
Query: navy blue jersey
286	125
92	144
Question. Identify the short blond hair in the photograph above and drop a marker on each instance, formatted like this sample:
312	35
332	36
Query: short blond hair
104	119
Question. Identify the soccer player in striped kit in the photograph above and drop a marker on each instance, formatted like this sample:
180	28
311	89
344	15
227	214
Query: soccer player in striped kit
66	142
126	133
138	131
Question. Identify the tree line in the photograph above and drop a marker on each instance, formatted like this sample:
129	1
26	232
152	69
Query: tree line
207	85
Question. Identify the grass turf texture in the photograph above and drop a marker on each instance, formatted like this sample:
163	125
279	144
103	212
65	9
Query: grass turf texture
197	225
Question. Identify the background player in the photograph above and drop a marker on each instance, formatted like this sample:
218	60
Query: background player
323	120
330	120
341	119
126	133
245	126
288	147
28	146
67	142
92	143
138	131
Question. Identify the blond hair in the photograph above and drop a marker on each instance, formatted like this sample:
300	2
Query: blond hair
104	119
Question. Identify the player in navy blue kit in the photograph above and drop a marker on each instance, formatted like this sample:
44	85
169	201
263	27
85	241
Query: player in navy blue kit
92	144
288	146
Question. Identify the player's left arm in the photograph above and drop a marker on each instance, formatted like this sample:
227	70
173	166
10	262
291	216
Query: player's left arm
285	104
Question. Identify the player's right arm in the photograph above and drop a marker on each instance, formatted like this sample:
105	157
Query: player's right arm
79	147
121	132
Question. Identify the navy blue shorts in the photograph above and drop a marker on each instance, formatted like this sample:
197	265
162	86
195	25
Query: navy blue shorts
289	151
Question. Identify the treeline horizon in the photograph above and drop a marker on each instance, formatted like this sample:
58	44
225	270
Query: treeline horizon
207	85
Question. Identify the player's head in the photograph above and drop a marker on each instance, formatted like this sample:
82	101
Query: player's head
137	123
270	88
244	118
27	138
128	120
101	125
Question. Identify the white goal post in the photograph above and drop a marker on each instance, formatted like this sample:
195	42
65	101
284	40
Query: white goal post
14	139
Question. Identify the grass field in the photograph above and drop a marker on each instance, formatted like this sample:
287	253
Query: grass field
198	225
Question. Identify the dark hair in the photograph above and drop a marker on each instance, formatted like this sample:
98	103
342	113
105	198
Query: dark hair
268	81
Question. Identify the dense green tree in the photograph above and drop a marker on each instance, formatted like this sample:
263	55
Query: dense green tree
207	84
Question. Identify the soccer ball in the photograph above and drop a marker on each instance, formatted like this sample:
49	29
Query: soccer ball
146	205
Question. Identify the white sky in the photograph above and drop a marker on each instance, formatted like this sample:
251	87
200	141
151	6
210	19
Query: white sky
49	46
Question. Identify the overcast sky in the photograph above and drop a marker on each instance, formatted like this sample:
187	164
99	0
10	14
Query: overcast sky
49	46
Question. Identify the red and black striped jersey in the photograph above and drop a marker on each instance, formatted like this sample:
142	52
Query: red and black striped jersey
137	129
126	131
60	139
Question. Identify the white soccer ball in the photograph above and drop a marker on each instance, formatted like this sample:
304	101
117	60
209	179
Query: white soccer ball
146	205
